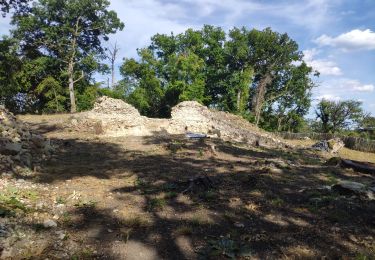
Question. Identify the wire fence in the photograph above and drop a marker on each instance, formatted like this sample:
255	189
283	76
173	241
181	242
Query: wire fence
355	143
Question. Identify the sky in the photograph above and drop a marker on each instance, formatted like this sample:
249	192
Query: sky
336	36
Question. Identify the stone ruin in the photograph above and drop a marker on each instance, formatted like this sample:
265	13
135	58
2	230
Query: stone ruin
114	117
19	146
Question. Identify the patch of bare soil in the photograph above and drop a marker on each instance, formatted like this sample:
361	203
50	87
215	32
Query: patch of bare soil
129	198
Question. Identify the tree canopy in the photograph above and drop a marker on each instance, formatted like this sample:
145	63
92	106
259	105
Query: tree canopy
68	32
249	72
337	116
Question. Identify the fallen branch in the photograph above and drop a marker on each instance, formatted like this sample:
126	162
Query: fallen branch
358	166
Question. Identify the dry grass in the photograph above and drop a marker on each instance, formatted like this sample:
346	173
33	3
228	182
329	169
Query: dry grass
343	153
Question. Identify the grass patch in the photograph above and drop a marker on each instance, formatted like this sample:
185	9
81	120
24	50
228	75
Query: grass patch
200	221
60	200
136	222
331	179
184	230
170	195
277	202
86	204
209	195
156	204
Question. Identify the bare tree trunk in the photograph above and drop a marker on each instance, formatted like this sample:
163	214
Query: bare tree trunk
112	57
258	100
239	100
73	107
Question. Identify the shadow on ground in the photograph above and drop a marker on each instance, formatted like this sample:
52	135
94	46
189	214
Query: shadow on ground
248	210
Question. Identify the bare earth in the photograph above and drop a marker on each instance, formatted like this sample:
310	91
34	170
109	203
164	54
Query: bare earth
122	198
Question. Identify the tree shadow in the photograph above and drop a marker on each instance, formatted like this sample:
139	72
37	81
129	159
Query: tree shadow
247	204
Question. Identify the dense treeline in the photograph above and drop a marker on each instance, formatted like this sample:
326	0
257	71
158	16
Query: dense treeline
49	61
257	74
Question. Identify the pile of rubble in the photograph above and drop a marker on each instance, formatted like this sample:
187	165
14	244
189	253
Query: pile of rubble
113	117
19	147
332	145
193	117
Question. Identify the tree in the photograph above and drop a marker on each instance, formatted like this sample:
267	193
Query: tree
112	56
6	5
68	30
10	64
272	55
337	116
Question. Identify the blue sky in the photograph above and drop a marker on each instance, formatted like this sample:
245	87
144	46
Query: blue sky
337	36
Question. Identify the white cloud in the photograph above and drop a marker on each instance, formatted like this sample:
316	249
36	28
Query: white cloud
344	85
364	88
350	41
324	66
330	97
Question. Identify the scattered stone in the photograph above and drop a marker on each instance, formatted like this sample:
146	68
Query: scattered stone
239	224
49	223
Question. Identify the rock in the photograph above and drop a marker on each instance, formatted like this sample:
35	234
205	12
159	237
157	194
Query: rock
11	148
49	223
60	235
239	224
331	145
335	144
349	187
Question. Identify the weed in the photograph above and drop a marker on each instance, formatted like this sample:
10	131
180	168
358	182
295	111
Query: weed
331	179
209	195
184	230
226	247
200	221
200	152
278	202
86	204
136	222
66	218
60	200
170	195
156	204
9	205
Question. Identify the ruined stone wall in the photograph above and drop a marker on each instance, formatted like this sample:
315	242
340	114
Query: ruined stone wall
113	117
19	146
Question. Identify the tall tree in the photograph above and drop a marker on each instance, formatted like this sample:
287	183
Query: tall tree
69	30
272	54
340	115
112	56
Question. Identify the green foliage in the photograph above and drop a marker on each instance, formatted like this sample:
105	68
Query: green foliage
53	92
70	33
229	72
337	116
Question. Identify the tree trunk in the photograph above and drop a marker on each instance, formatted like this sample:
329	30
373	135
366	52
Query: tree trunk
73	107
239	100
258	99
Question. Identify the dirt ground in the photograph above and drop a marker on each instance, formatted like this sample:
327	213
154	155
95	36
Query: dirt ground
130	198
